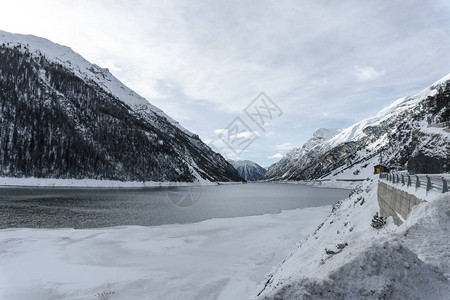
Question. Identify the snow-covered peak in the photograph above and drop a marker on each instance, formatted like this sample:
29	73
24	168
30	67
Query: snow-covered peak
396	130
82	68
356	131
320	136
324	139
302	155
248	170
243	163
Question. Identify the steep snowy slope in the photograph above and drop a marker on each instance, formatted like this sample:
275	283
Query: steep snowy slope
83	69
409	133
345	258
248	170
63	117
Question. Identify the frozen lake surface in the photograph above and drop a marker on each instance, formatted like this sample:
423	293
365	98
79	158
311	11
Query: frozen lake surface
93	208
226	258
223	257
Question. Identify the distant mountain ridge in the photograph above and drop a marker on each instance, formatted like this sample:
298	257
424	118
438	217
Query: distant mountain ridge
248	170
401	134
63	117
299	157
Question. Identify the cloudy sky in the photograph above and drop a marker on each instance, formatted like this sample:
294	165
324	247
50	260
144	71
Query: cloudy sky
322	63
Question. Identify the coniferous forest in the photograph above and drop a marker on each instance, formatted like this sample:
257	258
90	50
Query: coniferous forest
55	124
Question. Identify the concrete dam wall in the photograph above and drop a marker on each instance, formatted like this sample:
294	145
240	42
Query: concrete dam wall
394	202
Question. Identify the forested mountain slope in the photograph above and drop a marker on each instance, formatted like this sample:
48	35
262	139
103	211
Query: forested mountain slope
62	117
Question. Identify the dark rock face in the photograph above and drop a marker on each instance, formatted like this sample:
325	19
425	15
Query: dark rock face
423	164
54	124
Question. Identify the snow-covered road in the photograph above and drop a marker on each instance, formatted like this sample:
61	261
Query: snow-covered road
214	259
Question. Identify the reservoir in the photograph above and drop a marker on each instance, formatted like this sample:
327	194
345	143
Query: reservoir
31	207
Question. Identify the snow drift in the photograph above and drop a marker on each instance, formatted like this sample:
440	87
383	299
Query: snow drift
345	258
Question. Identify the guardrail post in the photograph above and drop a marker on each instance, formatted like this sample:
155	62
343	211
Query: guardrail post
444	185
429	186
403	180
417	182
393	178
398	179
409	181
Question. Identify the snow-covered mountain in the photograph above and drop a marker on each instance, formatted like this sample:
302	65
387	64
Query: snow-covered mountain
300	157
63	117
248	170
409	133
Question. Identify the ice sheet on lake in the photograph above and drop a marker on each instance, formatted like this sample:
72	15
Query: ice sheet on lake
214	259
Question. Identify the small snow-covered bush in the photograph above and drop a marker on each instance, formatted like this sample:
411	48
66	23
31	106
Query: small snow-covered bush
105	295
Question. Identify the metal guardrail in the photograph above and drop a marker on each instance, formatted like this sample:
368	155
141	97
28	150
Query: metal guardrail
439	184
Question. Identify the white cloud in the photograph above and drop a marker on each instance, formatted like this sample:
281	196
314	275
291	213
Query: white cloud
244	135
239	135
367	73
220	131
284	146
278	155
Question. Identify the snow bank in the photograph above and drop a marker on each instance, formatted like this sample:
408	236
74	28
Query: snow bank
213	259
94	183
345	258
388	270
334	184
328	183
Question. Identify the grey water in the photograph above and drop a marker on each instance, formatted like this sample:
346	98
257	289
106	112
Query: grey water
92	208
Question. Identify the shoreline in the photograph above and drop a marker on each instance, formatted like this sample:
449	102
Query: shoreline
94	183
323	184
32	182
